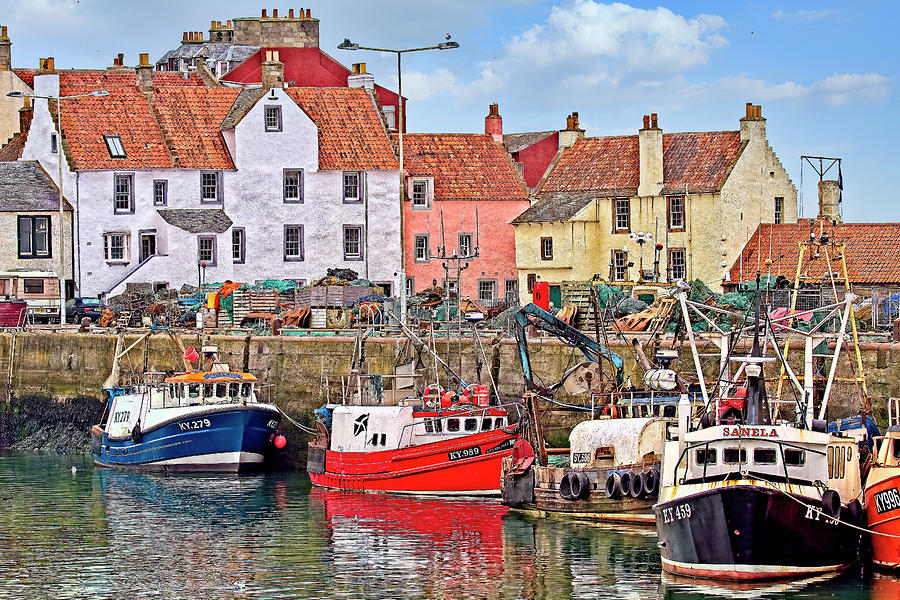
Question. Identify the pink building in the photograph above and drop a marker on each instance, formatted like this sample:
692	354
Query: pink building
448	176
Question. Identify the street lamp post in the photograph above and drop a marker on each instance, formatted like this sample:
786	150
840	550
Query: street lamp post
641	238
61	227
446	45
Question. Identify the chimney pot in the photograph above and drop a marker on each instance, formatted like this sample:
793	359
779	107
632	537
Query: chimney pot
749	109
144	59
570	123
307	13
653	120
290	13
212	24
50	66
263	13
3	31
493	123
274	13
184	36
646	121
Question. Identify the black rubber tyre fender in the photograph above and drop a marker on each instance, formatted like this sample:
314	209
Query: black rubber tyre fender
856	515
565	487
831	504
613	485
581	485
636	490
651	482
625	484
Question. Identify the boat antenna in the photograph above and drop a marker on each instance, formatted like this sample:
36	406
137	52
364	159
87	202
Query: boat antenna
755	406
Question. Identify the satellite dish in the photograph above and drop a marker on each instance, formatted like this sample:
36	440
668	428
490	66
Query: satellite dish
582	378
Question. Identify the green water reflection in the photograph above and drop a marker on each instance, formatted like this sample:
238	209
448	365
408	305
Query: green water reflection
96	533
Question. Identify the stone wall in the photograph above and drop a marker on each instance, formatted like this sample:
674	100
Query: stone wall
69	365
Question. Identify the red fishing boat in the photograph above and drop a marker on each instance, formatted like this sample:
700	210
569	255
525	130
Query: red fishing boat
434	443
882	494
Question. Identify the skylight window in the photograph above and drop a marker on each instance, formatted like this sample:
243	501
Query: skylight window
114	145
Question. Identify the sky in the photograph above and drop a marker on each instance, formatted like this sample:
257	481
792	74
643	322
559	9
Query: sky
824	73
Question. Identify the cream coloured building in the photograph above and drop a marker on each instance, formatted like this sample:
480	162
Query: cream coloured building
701	195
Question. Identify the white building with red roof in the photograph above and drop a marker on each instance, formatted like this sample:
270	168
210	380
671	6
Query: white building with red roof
175	183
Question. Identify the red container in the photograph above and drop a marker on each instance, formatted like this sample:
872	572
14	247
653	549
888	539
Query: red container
542	294
12	313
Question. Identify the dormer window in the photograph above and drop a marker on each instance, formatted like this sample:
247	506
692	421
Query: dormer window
273	118
114	146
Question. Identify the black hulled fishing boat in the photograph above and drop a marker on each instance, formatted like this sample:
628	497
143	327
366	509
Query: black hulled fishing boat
754	499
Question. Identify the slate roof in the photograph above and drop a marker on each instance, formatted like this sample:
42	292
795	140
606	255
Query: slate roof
25	186
212	51
555	208
197	220
464	166
242	104
13	149
351	132
516	142
872	251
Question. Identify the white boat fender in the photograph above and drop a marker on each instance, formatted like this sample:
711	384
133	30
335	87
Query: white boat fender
831	504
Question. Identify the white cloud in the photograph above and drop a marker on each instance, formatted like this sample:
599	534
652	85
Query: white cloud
421	86
805	15
836	90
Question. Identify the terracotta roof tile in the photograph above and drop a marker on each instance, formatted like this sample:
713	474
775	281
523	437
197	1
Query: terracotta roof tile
26	75
351	133
464	166
191	118
611	165
13	150
872	251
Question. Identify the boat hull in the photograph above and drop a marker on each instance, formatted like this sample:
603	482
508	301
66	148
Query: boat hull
882	501
740	531
458	466
222	439
596	506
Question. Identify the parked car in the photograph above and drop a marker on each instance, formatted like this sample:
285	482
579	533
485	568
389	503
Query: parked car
78	308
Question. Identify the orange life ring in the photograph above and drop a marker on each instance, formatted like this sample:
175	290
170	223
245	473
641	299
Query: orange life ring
611	410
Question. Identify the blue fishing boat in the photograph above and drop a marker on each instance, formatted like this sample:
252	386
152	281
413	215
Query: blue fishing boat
196	421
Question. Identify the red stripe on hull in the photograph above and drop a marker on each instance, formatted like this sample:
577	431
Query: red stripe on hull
885	550
421	469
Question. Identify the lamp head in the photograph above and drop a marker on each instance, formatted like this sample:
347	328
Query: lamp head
348	45
633	236
99	93
15	94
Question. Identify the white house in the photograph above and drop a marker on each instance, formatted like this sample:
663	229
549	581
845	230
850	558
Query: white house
176	183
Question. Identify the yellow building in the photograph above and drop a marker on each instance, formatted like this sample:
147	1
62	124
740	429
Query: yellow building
651	206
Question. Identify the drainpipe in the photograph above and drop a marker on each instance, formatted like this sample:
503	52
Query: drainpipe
76	237
365	241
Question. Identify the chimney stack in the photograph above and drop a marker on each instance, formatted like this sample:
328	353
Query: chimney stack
572	133
753	125
650	153
359	78
144	73
493	123
829	200
25	114
5	50
272	71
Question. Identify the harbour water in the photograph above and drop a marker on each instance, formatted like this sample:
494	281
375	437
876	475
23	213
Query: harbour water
100	533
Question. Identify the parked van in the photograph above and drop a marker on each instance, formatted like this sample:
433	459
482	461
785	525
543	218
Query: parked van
40	289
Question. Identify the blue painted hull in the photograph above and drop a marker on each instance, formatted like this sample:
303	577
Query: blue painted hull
229	439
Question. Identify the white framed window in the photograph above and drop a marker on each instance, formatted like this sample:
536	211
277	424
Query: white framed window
621	214
421	249
114	146
779	209
390	116
676	213
410	286
353	242
160	192
273	117
546	248
677	264
123	193
206	250
34	237
115	246
511	291
293	185
238	245
210	186
487	289
620	265
420	191
464	244
293	243
352	187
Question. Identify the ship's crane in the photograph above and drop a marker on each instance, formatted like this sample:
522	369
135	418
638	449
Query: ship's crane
531	314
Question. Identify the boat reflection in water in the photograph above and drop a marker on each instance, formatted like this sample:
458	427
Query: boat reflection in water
447	548
686	588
